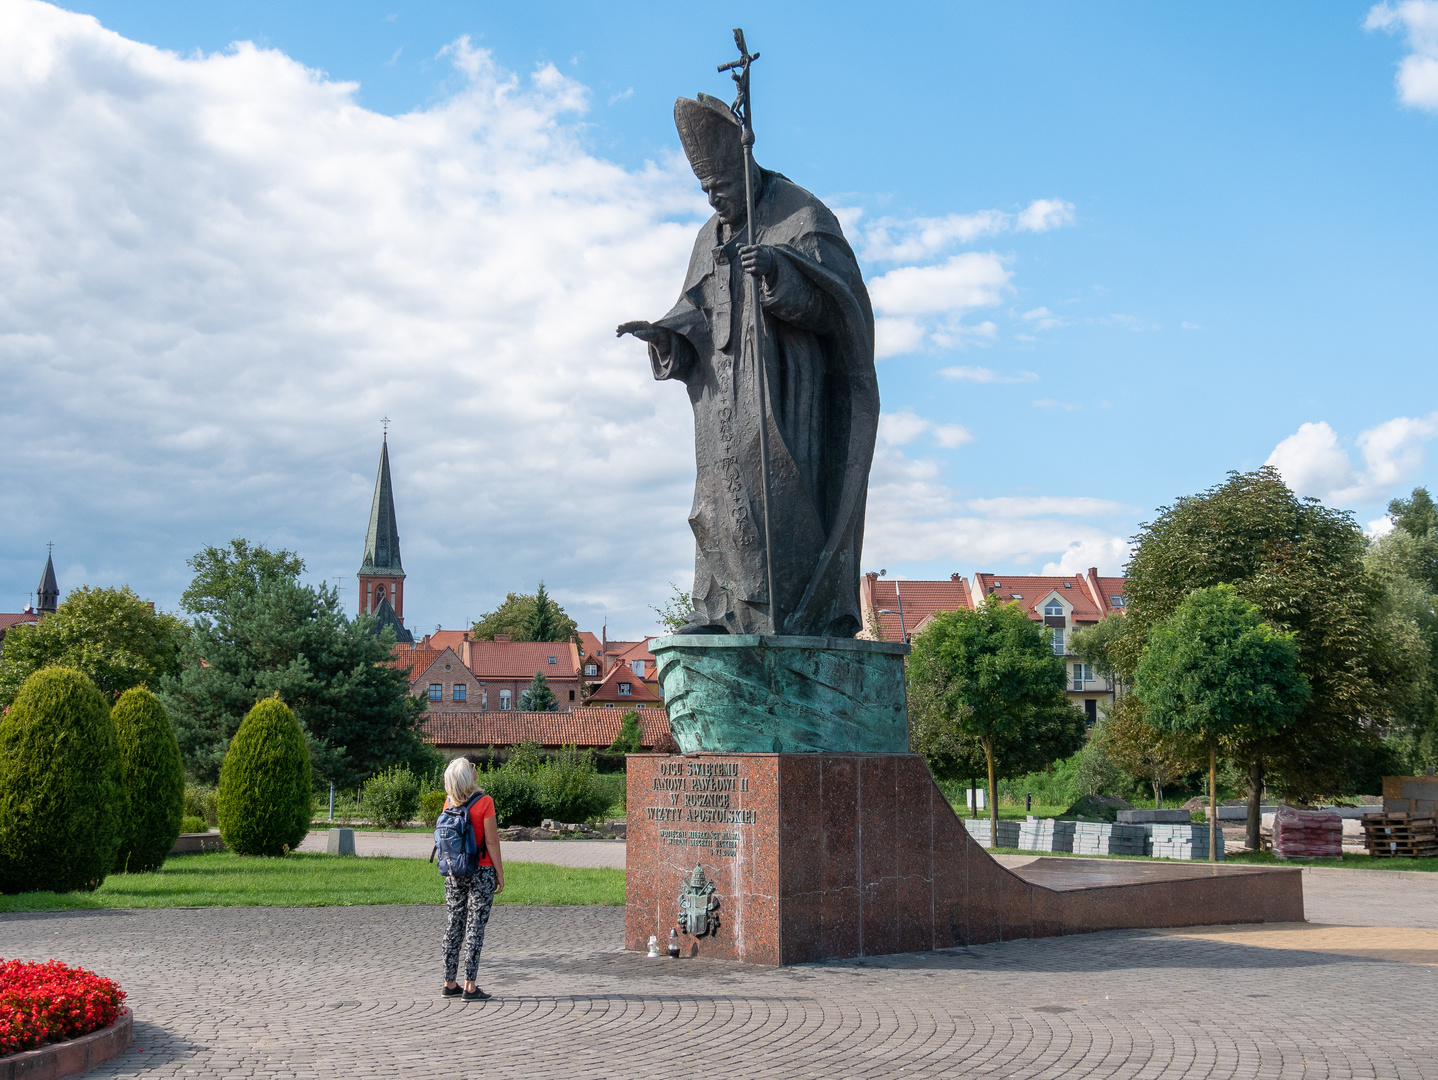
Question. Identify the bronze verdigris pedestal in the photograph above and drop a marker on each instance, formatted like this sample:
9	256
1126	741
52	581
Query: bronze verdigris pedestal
834	855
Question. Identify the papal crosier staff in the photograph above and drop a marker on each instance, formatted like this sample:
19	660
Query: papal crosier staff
821	408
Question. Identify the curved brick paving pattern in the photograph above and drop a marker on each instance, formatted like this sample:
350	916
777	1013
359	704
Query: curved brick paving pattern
331	992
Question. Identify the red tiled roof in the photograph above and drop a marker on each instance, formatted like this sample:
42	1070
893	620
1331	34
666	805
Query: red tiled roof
413	659
590	643
920	600
521	659
608	690
9	619
448	639
578	727
1033	591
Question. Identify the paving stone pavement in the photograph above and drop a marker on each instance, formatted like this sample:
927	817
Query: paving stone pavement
353	992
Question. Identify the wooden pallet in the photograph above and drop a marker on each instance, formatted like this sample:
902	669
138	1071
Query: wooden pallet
1401	835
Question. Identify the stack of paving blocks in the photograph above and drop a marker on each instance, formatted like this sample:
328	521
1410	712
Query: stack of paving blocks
1181	841
979	830
1046	834
1101	838
1410	794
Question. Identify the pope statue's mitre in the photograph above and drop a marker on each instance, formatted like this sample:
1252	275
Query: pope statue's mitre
710	132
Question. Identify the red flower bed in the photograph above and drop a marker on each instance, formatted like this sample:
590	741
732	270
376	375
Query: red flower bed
51	1002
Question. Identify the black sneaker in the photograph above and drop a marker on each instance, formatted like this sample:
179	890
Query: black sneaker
452	991
475	995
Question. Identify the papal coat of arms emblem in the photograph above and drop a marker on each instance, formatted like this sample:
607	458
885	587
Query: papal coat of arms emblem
698	906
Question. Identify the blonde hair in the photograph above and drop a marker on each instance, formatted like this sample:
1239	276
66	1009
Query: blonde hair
459	782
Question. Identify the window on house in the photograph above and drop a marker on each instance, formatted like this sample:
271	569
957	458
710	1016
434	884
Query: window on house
591	669
554	659
638	667
626	689
1090	709
1016	596
1057	638
1054	608
460	692
504	700
571	695
1116	601
1082	673
1068	585
483	700
436	691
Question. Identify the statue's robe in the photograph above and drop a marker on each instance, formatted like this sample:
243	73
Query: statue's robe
822	418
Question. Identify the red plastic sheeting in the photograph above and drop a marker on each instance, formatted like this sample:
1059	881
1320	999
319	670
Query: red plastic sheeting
1306	834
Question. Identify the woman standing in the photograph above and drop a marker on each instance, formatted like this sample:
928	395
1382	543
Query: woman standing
468	897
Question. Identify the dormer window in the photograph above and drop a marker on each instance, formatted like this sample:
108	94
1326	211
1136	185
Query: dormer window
591	669
626	689
1054	609
637	666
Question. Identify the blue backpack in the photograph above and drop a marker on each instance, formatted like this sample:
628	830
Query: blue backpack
455	844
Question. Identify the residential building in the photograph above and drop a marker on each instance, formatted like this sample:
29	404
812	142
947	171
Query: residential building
898	610
1064	605
487	676
626	688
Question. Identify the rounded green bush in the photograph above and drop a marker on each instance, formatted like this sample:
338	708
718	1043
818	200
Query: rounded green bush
569	789
516	800
391	797
430	804
264	799
190	823
62	803
153	778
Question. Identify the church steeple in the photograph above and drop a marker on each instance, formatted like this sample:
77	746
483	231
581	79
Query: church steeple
381	542
381	575
48	594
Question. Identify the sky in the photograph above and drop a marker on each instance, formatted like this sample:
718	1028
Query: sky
1115	251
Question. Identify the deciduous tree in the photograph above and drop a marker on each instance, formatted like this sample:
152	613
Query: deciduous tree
990	677
1215	671
516	617
240	568
113	636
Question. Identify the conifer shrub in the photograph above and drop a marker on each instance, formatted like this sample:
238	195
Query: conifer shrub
62	802
264	800
190	823
153	778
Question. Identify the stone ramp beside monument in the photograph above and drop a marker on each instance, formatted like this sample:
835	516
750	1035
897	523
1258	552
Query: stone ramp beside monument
833	855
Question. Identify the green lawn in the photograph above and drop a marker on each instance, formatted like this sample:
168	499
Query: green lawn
223	879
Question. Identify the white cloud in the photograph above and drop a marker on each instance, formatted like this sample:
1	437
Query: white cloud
1054	403
916	239
987	375
961	283
1417	78
221	272
1045	214
950	436
903	427
1109	554
1313	463
914	518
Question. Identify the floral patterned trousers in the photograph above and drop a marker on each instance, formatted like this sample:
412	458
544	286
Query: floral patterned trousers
467	899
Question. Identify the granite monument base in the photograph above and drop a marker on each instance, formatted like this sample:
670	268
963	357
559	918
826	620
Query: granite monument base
806	857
